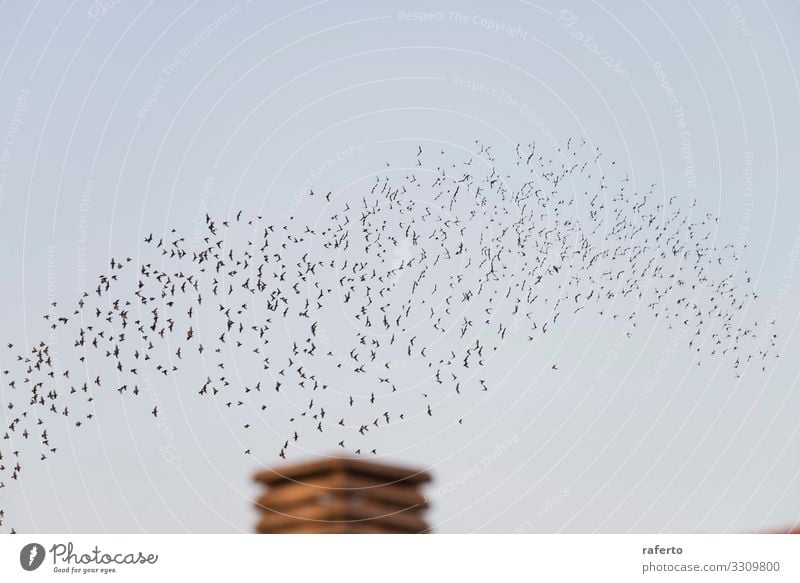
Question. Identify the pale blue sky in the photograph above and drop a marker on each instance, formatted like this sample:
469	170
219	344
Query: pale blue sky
118	119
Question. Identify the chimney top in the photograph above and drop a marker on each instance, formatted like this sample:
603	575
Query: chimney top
342	495
357	467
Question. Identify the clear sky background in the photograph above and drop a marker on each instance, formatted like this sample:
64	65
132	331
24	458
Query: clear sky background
122	118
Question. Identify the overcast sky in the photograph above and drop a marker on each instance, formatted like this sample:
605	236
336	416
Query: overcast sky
122	118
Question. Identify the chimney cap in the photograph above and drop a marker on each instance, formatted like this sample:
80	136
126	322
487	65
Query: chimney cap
385	472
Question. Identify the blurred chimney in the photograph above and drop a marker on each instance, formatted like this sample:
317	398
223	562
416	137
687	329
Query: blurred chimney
342	495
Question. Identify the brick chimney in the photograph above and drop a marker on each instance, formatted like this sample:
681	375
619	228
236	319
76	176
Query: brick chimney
342	495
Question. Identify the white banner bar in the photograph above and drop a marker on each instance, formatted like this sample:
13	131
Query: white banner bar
386	558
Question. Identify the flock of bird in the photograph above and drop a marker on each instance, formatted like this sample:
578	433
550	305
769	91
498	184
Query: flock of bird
434	269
